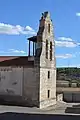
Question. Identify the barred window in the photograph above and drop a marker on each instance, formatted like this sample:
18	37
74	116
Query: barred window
50	50
47	49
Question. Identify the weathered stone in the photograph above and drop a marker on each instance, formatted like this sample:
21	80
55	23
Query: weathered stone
45	64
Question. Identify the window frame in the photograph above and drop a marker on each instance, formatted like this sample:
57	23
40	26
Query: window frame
46	49
48	94
48	74
50	50
49	28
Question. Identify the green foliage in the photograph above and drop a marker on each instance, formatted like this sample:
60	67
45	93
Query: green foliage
71	74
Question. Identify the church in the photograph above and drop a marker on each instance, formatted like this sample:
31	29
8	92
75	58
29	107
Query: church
32	79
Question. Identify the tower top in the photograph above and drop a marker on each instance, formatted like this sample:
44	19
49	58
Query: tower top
45	14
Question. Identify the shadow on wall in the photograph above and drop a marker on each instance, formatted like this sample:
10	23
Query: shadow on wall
22	116
74	109
10	100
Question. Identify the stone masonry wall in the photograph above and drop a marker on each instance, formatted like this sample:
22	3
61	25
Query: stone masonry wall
30	86
47	65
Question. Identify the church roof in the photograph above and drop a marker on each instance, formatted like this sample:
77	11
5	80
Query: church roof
34	38
4	58
16	61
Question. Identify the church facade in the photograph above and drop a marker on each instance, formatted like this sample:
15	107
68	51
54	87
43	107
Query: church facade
32	79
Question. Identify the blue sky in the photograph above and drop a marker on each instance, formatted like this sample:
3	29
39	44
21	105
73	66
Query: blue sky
19	19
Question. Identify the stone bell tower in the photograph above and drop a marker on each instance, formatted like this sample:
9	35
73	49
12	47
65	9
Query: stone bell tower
45	62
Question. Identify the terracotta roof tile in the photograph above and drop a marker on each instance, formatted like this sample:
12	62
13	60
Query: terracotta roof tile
4	58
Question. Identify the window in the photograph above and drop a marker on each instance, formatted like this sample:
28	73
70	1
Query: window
48	28
48	74
48	93
50	50
47	49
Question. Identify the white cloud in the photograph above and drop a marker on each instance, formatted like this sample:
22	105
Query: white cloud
65	39
66	42
17	51
64	56
12	51
15	30
28	28
78	14
74	65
